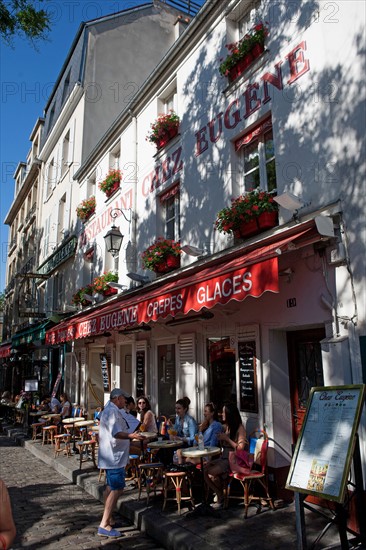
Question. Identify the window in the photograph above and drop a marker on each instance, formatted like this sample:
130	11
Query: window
170	103
65	154
58	292
170	209
258	157
51	178
114	157
65	91
168	99
246	22
61	217
52	116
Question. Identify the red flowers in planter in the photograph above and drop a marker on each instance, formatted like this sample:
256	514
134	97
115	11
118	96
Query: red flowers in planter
162	256
164	129
111	182
86	208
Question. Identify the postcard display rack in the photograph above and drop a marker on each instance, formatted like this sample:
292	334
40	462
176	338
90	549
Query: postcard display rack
327	444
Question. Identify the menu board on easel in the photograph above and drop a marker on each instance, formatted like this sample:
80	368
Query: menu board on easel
248	376
105	372
140	373
324	450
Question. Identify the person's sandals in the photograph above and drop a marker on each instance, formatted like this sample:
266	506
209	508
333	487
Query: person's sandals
113	533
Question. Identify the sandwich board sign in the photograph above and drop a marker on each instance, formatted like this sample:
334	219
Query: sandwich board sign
324	449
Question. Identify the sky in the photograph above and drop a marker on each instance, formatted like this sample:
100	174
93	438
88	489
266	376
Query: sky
27	76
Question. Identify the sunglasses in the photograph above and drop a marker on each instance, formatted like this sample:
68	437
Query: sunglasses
141	403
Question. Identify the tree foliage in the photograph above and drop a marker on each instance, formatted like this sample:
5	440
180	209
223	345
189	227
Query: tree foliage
23	18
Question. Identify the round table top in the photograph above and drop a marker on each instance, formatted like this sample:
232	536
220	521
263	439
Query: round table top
95	428
50	415
165	444
84	423
73	420
148	434
194	452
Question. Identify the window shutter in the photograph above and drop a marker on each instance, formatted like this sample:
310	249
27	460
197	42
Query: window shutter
187	369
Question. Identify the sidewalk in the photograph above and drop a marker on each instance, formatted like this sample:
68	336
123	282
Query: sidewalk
227	530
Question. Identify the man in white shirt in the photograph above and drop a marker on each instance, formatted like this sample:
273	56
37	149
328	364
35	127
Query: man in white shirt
114	448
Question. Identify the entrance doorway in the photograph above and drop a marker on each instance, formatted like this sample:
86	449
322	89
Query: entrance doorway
166	379
221	371
306	371
95	392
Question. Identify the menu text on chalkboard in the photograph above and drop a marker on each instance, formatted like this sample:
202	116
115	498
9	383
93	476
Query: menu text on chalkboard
105	372
140	373
248	377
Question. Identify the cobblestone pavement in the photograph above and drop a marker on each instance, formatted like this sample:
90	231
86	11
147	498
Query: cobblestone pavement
50	512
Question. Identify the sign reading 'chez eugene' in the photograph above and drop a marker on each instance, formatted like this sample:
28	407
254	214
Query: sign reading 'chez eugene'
246	281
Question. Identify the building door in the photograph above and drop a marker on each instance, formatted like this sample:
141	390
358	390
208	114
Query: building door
221	371
166	380
306	371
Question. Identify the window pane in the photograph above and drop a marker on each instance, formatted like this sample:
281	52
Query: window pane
270	161
251	166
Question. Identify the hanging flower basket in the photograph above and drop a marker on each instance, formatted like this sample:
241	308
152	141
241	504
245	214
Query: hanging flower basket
111	182
248	214
162	256
164	129
244	52
86	209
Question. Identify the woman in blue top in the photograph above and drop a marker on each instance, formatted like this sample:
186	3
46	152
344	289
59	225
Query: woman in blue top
211	426
185	425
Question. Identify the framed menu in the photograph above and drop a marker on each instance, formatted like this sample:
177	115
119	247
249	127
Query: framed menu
140	373
248	376
324	450
105	372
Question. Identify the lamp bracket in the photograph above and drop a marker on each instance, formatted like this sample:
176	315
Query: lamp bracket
114	213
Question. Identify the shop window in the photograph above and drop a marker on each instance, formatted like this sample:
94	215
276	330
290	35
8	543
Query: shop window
166	379
170	213
221	371
258	153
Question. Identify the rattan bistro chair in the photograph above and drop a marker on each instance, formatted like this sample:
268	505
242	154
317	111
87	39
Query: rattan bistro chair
257	474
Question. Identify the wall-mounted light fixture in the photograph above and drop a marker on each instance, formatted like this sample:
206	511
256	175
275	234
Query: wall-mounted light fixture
291	202
194	250
134	330
114	238
138	278
203	316
116	285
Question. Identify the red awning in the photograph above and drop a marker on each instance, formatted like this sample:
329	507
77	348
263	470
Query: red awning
250	274
5	351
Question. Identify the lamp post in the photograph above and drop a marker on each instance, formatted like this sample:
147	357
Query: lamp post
114	238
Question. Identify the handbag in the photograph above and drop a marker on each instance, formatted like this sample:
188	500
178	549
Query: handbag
239	462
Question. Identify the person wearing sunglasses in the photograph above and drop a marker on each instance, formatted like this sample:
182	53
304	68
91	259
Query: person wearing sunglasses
145	415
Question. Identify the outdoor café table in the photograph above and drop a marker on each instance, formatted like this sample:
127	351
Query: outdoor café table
203	509
71	422
50	416
166	445
149	436
83	423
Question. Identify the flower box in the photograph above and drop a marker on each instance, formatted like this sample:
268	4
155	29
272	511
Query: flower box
162	256
86	209
109	292
248	214
164	129
113	189
111	182
244	52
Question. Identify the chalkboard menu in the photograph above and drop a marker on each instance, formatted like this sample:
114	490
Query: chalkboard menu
140	373
248	377
105	371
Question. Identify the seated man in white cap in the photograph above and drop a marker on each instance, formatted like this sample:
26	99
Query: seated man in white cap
114	450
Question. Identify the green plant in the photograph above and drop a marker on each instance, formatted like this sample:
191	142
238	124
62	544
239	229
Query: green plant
86	208
78	297
158	251
240	49
114	176
245	208
163	124
100	283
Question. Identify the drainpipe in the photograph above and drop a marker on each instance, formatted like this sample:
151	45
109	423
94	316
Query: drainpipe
134	200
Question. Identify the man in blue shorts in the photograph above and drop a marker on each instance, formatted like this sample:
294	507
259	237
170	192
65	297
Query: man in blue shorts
114	450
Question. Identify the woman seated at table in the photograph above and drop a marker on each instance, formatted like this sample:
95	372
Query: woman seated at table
145	415
233	438
210	428
65	406
185	426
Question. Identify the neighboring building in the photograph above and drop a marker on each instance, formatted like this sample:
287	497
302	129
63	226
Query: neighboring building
257	320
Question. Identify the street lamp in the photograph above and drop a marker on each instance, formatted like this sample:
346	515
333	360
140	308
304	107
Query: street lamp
114	238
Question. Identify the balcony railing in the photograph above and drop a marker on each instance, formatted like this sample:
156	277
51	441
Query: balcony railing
31	214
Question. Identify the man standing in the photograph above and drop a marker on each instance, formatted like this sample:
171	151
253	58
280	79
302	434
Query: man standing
114	449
